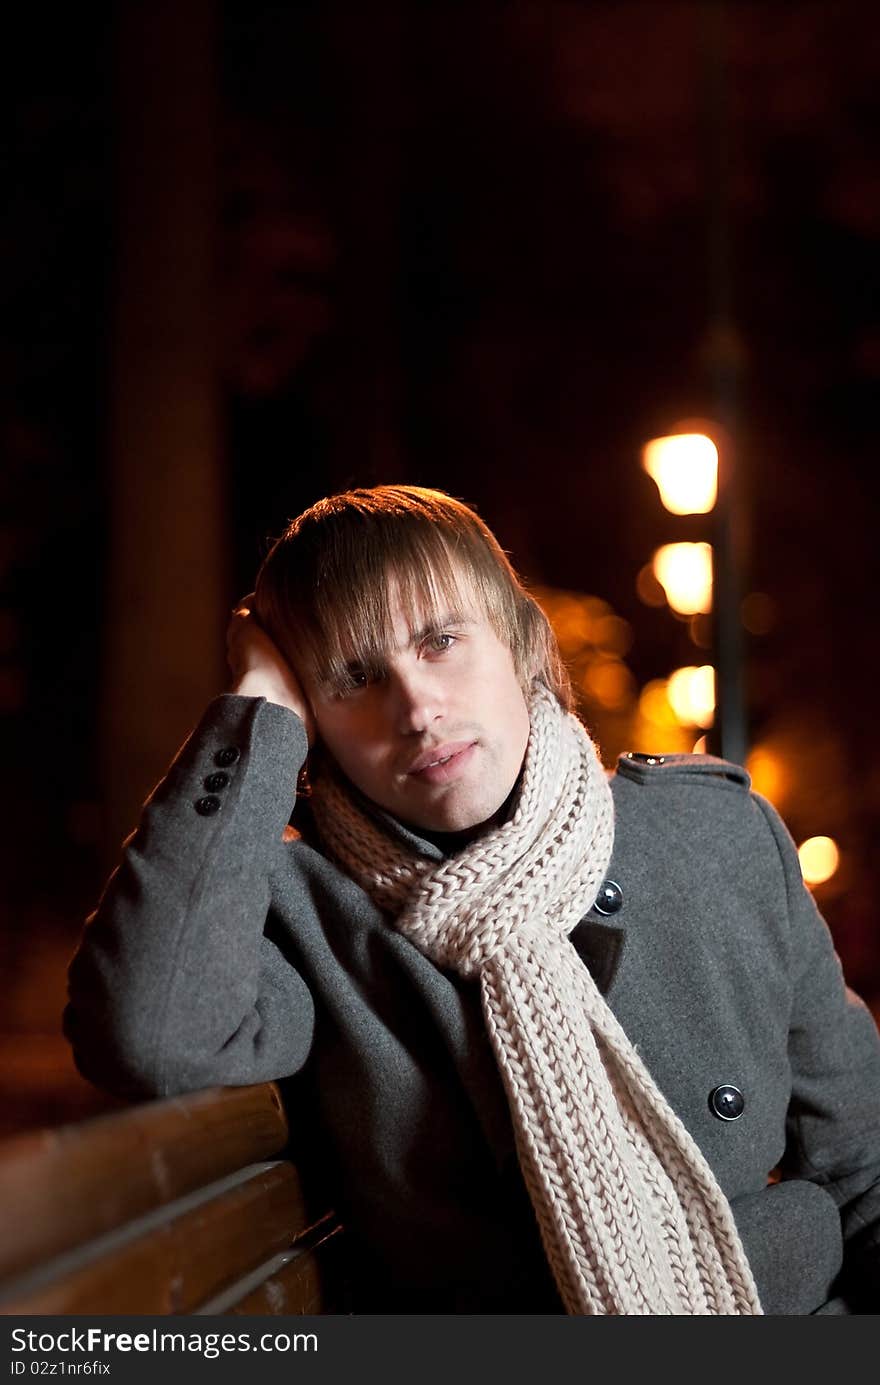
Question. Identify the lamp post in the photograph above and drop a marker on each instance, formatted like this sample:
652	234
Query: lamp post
685	469
723	358
699	577
694	474
730	739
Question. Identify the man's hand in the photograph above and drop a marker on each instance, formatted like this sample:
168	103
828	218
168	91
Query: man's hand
259	669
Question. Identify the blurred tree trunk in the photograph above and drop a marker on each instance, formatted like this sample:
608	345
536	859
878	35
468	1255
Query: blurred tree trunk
167	574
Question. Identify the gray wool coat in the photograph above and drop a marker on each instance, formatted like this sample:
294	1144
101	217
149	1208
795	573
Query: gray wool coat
228	950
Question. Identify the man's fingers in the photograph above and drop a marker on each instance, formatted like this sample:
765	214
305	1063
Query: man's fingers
244	607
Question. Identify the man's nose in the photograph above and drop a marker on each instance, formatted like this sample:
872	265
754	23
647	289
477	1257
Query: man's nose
417	699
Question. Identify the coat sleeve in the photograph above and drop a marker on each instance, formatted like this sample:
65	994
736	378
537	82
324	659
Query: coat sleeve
833	1124
176	984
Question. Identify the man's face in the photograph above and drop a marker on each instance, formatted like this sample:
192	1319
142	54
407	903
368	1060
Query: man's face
437	733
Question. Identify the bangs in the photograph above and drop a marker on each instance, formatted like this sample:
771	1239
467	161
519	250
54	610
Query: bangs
331	609
325	591
352	617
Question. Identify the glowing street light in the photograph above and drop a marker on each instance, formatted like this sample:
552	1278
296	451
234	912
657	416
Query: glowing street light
693	478
819	858
685	469
684	571
691	694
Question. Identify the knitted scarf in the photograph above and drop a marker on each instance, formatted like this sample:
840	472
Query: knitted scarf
631	1216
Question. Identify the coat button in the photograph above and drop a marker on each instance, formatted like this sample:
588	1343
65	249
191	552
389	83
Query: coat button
227	756
216	781
207	806
727	1103
609	899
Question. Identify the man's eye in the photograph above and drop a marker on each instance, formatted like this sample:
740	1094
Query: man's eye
358	678
353	679
440	642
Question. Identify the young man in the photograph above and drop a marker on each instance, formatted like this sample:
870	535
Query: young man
558	1030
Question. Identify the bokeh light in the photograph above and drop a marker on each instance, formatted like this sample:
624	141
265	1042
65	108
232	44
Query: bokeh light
684	570
819	858
691	694
654	705
655	728
768	773
648	588
610	683
685	469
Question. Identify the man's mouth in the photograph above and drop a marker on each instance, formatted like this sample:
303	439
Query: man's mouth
439	758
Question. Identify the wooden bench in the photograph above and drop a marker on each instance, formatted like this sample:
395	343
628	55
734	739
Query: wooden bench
184	1205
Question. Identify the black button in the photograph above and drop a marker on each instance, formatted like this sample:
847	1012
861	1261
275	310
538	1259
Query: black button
207	806
609	899
216	781
727	1103
227	756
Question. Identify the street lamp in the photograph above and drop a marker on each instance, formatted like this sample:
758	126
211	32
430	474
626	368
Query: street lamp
684	571
700	577
691	694
819	858
685	469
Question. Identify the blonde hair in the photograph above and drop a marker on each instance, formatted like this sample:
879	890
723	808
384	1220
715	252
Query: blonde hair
322	591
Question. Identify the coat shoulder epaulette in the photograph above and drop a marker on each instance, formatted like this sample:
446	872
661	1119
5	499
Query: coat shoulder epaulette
666	769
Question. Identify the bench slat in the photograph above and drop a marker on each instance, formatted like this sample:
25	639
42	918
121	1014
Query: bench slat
60	1188
185	1260
312	1283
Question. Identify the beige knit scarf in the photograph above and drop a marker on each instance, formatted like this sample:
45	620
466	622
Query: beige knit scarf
631	1216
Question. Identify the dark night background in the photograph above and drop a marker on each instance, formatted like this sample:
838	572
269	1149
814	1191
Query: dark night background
255	253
